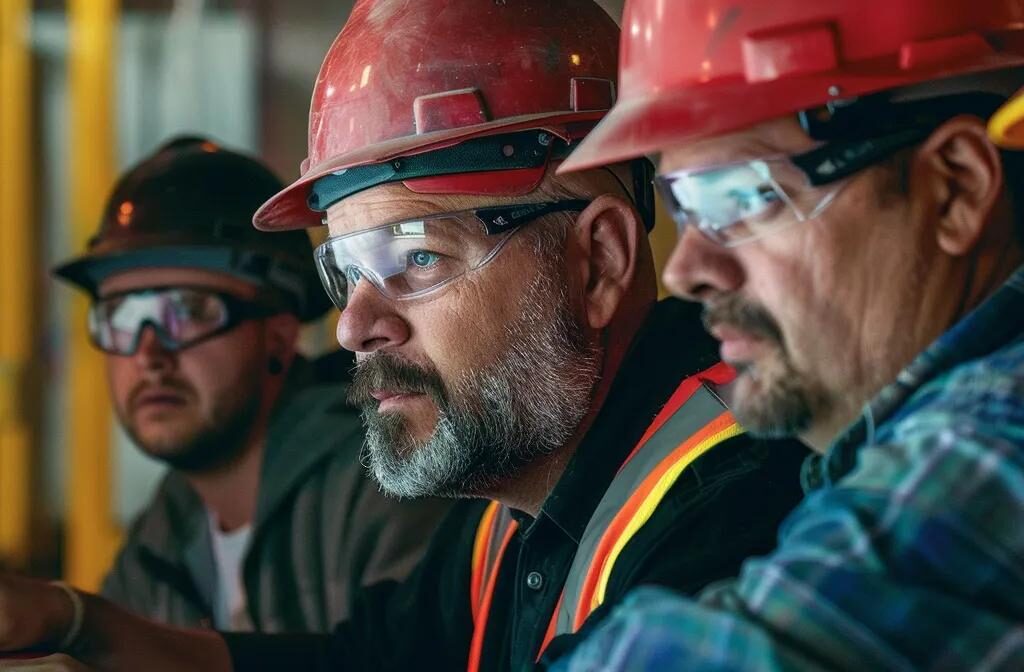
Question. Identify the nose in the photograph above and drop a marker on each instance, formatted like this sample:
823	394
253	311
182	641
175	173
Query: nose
369	321
700	268
151	354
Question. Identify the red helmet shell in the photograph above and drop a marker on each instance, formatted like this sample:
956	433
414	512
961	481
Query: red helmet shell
408	76
699	68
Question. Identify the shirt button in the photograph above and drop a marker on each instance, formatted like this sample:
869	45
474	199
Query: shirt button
534	580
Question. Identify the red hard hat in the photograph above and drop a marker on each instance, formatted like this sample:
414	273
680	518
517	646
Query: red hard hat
699	68
404	78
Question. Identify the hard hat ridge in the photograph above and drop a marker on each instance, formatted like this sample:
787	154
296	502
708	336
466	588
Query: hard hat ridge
409	78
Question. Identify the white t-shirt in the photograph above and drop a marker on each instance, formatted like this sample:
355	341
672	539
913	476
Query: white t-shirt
228	553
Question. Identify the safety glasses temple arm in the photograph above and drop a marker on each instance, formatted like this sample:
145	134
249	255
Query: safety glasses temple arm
835	161
500	219
861	132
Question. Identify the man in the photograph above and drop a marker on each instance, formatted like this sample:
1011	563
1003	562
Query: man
266	520
509	348
855	237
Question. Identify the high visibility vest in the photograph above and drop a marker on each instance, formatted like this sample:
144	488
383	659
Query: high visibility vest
694	421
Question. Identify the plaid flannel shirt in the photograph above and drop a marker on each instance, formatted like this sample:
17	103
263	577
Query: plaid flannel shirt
907	553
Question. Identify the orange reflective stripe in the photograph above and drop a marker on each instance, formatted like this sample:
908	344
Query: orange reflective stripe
641	505
552	627
480	627
484	532
631	508
719	374
648	506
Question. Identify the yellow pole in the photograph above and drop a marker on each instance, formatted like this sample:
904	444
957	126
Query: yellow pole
92	535
18	234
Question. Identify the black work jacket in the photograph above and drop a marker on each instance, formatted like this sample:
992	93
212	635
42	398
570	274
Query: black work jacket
726	507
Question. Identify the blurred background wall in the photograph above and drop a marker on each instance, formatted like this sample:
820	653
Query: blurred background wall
87	88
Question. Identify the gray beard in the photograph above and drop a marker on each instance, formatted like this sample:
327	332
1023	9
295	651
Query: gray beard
493	421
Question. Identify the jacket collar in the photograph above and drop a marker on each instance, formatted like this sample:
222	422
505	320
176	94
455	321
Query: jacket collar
311	423
671	345
995	323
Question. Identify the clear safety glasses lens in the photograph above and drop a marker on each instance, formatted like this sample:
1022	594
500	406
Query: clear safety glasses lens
411	258
406	259
180	316
739	202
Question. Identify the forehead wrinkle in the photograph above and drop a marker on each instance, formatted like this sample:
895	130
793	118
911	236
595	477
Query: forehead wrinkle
375	207
700	158
781	136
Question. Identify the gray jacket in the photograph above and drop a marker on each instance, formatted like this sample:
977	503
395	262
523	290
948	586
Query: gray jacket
322	529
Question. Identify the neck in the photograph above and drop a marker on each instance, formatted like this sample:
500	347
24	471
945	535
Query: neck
537	480
985	276
820	438
230	492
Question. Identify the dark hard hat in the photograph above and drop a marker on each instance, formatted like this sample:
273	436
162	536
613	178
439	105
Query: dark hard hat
190	205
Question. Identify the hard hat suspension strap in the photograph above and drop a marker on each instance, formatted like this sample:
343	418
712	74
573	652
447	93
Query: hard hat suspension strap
510	151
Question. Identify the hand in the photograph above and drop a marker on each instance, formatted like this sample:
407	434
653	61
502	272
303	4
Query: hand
33	614
37	615
55	663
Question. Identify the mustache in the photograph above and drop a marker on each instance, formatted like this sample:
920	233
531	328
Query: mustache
742	315
386	371
171	384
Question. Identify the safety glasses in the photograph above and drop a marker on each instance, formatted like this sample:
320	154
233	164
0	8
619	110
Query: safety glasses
411	258
739	202
180	317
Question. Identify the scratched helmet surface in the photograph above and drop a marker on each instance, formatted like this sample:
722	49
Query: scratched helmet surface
404	78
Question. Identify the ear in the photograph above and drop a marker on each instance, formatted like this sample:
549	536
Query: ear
608	234
965	177
282	334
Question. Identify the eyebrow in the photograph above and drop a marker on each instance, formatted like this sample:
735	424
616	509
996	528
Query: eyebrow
747	148
412	210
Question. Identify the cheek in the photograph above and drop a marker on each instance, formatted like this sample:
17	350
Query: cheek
798	278
122	376
222	366
455	332
826	283
467	324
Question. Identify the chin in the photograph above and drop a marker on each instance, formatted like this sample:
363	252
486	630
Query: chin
770	406
161	442
415	427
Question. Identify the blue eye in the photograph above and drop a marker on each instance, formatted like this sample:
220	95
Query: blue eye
423	259
353	275
753	202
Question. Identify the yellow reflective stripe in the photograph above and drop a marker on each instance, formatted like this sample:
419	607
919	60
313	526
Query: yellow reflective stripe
648	506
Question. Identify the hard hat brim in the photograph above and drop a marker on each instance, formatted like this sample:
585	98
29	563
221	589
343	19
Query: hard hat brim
88	271
648	125
289	208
